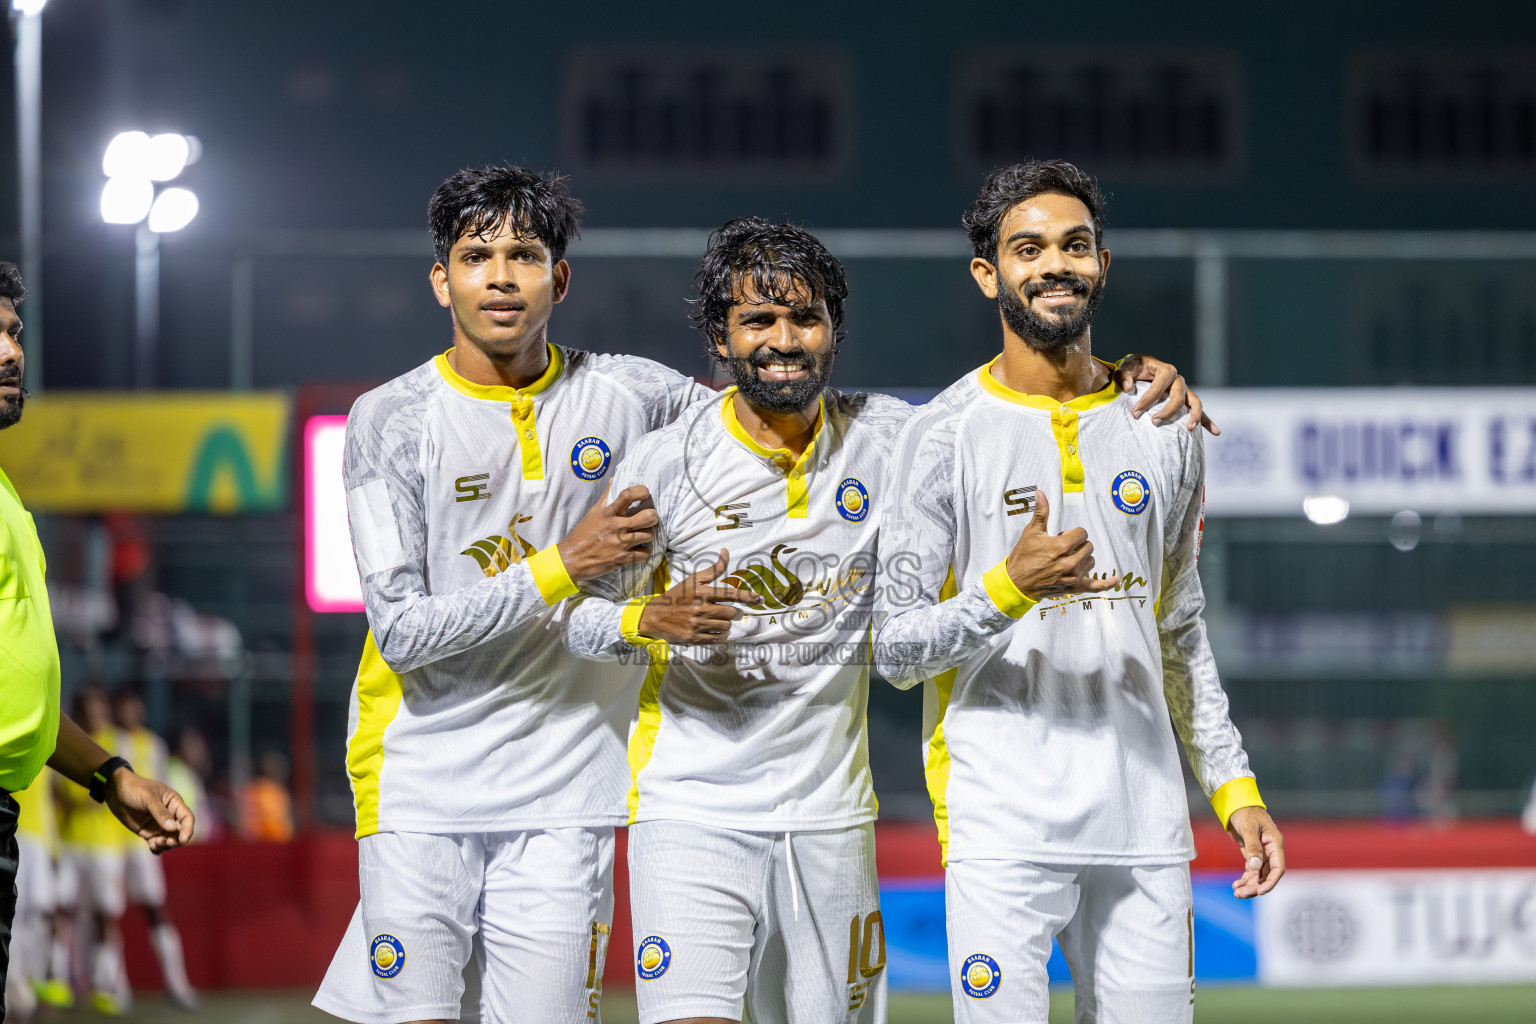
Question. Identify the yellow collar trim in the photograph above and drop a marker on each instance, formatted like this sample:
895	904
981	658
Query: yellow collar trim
1081	403
778	455
797	493
500	392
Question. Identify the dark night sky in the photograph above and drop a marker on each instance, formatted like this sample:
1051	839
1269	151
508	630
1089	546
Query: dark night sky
345	115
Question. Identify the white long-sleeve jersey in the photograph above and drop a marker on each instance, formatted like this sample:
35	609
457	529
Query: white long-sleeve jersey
766	731
1046	726
468	713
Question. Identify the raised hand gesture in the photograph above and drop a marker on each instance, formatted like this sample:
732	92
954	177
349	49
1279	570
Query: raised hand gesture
1043	565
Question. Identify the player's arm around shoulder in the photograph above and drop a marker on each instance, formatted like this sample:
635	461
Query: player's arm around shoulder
1155	381
663	393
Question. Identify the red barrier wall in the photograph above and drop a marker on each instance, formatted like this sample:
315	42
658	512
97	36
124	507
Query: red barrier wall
270	916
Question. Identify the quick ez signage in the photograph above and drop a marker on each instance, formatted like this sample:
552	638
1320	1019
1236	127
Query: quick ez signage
1470	450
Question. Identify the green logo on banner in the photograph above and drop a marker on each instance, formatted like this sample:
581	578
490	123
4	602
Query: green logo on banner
224	452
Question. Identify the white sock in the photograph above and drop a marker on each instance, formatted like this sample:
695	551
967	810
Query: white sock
167	943
58	959
20	1002
106	968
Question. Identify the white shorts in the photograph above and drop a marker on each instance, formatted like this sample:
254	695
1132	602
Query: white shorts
528	913
1127	934
36	884
93	879
784	927
145	877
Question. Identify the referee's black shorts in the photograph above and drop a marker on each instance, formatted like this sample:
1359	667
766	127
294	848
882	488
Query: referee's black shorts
8	814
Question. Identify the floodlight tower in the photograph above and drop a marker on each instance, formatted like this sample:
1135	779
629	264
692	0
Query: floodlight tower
28	18
133	163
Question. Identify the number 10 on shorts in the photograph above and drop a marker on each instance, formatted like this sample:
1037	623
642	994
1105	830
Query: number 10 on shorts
866	956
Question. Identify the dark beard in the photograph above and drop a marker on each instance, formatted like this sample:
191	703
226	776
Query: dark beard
11	405
781	396
1049	334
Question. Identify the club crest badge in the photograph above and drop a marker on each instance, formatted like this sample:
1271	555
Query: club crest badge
852	500
387	954
980	976
653	957
590	457
1130	493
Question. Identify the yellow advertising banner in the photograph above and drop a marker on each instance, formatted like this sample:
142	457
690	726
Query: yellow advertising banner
150	451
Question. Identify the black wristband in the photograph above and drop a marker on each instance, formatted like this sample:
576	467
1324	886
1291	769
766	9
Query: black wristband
99	777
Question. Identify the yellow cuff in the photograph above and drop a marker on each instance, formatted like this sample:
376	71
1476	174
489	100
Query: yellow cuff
1241	792
1010	600
549	575
629	622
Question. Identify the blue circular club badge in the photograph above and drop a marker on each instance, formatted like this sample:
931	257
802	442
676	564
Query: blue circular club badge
387	954
980	976
852	500
1130	493
590	457
653	958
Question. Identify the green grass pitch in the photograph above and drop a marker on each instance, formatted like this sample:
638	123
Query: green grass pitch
1485	1005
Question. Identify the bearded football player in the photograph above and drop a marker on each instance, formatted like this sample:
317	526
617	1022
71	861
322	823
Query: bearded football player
1052	718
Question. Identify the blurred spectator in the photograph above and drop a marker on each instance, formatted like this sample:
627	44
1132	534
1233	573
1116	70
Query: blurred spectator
91	880
1399	799
1528	817
266	809
172	626
145	878
128	563
37	835
187	772
1437	789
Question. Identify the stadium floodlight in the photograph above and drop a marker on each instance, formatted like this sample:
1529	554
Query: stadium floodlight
1325	509
155	157
126	200
126	155
27	7
173	210
168	155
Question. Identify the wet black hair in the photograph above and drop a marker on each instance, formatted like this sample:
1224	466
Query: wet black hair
10	283
777	260
1007	187
477	199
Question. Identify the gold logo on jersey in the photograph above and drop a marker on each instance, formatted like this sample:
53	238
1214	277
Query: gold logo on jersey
1020	500
734	516
778	587
803	606
498	554
472	488
1125	590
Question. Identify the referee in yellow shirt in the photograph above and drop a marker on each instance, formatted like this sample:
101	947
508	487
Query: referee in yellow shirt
32	731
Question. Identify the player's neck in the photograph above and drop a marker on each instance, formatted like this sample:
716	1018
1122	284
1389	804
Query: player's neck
1062	374
792	430
517	370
